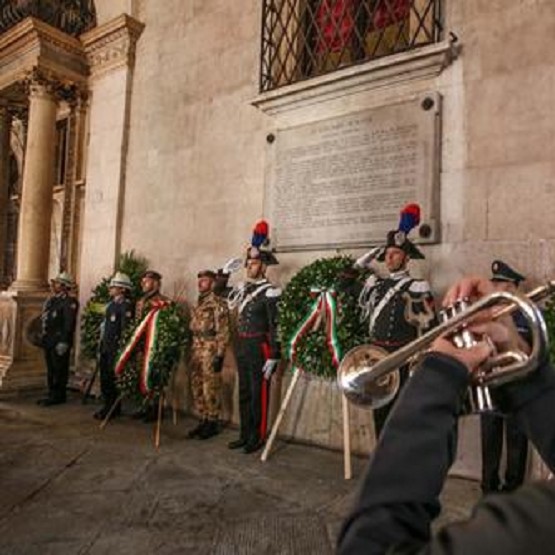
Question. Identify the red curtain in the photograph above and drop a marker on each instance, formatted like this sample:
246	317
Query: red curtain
389	12
335	22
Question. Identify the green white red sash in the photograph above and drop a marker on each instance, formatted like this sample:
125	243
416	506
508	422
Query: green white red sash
323	309
147	329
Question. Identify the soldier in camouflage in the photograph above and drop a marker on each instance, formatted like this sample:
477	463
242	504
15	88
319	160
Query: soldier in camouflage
210	336
151	282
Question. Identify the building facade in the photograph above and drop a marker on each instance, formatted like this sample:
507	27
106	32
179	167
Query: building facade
144	125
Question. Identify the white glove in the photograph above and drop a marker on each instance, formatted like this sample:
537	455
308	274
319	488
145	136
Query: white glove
365	259
232	265
269	368
61	349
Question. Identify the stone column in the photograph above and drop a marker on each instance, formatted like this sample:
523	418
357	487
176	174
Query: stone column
36	198
5	126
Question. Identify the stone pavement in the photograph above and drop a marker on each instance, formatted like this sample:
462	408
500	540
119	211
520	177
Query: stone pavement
68	488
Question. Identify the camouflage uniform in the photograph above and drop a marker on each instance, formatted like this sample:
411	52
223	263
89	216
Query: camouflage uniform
144	304
210	334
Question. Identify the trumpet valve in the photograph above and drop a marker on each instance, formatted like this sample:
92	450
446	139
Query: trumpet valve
462	338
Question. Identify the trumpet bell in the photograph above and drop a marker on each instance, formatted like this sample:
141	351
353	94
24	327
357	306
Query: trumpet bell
354	378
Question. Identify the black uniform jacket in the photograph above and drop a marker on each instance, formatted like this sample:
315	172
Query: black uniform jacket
257	314
59	316
119	314
399	495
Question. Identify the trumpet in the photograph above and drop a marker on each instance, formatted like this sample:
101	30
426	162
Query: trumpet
369	375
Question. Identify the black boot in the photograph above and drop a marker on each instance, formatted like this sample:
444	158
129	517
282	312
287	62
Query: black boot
100	414
253	445
210	430
195	432
237	443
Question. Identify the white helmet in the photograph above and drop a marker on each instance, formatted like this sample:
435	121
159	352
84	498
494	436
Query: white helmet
121	280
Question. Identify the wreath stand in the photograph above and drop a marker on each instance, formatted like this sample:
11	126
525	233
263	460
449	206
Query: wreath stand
347	467
158	424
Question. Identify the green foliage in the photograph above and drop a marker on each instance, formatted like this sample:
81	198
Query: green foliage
132	265
171	341
313	355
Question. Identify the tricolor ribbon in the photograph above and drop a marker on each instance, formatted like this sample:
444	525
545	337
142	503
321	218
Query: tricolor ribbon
148	328
323	309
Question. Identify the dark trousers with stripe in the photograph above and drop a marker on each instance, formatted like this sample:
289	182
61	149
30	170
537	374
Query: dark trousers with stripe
254	390
492	443
381	414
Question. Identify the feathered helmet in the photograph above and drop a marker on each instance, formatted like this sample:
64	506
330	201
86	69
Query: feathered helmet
259	248
410	218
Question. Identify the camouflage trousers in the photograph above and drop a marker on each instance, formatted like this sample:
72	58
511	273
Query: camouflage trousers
206	385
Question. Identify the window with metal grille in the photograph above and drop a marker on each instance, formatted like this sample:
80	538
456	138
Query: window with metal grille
306	38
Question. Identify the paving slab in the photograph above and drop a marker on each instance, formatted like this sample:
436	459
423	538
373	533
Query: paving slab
70	488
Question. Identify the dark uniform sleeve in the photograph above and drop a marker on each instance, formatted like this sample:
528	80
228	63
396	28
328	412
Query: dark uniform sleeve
127	315
532	401
515	524
399	500
399	496
272	307
70	308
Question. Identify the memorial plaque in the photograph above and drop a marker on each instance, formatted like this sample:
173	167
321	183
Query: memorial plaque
341	182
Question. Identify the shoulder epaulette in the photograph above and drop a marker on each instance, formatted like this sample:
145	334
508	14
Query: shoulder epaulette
420	286
273	292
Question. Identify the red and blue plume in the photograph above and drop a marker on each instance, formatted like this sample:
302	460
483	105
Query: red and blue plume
410	217
260	233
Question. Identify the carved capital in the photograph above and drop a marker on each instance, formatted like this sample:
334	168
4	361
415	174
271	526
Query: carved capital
44	84
112	46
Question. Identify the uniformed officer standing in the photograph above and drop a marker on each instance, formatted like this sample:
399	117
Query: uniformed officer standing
257	347
119	315
59	317
399	307
505	278
210	336
151	282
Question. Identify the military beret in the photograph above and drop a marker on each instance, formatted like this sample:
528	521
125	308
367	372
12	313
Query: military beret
206	273
153	274
503	272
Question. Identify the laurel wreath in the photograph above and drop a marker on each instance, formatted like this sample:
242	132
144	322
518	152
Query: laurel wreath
312	353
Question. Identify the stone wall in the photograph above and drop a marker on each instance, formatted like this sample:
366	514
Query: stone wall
196	160
197	146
